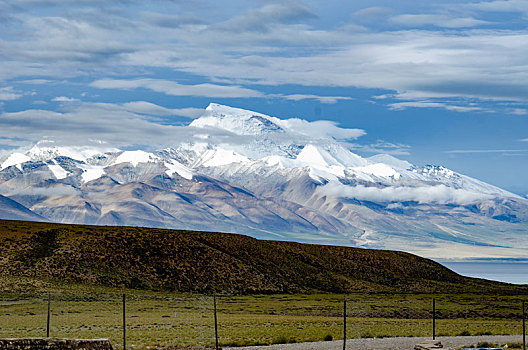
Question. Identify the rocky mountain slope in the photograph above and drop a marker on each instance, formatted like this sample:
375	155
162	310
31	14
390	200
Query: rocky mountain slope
15	211
249	173
147	258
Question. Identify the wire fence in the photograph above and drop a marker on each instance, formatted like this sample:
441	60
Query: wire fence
145	320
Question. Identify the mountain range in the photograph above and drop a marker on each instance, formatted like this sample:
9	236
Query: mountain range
283	179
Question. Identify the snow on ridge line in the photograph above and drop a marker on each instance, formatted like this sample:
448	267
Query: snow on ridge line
279	161
236	120
316	172
311	154
58	171
174	166
223	109
220	156
91	172
80	153
391	161
322	164
135	157
379	169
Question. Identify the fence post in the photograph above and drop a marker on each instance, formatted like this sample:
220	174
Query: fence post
124	322
49	312
344	322
215	321
524	324
434	318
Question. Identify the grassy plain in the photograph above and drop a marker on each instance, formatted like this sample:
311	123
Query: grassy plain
279	291
162	318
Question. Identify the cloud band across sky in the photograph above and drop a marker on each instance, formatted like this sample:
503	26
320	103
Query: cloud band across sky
274	44
439	194
139	123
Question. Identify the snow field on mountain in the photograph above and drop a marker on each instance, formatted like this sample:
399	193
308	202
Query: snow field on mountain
57	170
175	167
15	159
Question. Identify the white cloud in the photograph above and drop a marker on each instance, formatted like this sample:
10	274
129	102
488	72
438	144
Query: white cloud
56	2
508	151
207	90
486	65
320	129
136	123
382	147
83	121
8	93
438	194
372	13
144	107
426	104
322	99
442	21
502	6
263	19
519	111
35	81
65	99
70	40
171	20
275	44
173	88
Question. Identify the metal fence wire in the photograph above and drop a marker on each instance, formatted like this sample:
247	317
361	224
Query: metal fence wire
156	320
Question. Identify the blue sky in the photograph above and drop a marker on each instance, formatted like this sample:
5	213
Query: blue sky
438	82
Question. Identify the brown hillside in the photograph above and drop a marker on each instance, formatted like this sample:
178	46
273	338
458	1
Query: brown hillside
147	258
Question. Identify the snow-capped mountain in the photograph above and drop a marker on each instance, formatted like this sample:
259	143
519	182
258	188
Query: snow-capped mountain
271	178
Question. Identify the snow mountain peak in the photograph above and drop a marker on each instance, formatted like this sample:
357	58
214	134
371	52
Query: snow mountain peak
236	120
271	178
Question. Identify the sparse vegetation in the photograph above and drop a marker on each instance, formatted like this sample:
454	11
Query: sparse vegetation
166	318
86	269
189	261
512	346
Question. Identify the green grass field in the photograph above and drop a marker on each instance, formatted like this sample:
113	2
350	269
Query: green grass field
160	318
